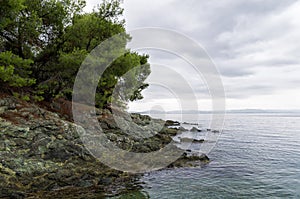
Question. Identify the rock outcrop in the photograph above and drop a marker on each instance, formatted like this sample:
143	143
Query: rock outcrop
42	155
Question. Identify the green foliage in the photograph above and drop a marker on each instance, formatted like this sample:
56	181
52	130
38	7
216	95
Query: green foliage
28	26
15	70
111	10
25	97
59	76
21	96
88	31
44	42
125	78
37	98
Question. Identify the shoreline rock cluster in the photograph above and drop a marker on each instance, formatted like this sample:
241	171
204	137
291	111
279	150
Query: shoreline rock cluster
42	154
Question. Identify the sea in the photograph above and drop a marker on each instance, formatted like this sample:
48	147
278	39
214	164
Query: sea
257	155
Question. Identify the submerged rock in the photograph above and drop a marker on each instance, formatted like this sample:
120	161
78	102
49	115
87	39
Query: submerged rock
187	139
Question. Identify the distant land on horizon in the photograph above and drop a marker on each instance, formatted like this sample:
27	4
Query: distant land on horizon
209	112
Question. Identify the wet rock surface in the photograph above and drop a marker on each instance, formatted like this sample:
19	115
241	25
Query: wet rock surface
42	155
189	159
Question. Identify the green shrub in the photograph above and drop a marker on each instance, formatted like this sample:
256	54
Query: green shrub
14	70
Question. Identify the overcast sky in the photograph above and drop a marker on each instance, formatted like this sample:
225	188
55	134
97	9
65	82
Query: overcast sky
255	44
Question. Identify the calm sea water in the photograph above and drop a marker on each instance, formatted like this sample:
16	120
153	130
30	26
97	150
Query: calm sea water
257	156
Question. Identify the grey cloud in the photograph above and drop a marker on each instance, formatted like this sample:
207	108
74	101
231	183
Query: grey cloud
254	44
245	91
232	72
241	36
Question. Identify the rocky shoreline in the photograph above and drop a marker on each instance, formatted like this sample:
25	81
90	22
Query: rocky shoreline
42	154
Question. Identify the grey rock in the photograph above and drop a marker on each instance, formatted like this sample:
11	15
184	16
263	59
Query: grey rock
43	155
194	129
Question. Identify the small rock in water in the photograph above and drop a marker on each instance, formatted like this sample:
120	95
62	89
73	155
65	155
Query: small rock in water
186	139
190	123
194	129
198	141
182	129
204	157
190	160
172	123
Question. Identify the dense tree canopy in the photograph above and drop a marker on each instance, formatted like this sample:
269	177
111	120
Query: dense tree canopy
44	42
